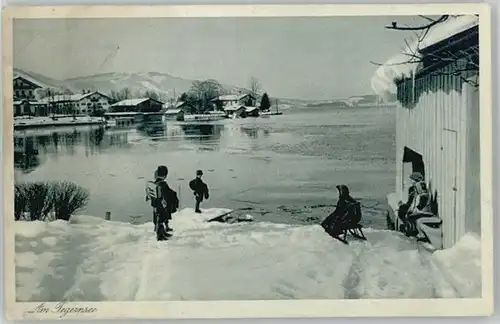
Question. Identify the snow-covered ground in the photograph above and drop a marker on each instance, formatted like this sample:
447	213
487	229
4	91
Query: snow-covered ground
92	259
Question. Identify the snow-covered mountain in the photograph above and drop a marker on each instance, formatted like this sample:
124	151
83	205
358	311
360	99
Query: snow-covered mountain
106	82
152	81
163	83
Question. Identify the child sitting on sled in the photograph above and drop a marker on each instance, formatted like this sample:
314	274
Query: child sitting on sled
345	217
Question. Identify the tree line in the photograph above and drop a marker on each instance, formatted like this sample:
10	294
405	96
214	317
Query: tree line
198	98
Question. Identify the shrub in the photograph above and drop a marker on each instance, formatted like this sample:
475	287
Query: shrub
68	197
20	200
38	199
39	202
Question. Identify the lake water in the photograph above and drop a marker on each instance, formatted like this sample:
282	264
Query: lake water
281	168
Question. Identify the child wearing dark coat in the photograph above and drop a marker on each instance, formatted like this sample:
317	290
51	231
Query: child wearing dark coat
200	190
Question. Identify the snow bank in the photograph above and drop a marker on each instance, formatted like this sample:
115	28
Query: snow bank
462	265
398	66
93	259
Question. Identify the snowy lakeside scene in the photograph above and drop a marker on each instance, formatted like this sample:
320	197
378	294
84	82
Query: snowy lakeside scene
217	170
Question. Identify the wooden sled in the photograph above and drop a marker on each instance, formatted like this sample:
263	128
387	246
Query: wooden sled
355	230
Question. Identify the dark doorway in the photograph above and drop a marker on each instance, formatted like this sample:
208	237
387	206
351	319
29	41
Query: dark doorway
417	163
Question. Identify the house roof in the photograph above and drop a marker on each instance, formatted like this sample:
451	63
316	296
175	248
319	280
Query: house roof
234	108
131	102
73	97
182	103
29	79
232	97
404	65
173	111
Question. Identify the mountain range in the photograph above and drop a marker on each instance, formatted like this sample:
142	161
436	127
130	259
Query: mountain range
161	83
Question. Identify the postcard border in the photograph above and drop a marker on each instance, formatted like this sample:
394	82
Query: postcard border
257	309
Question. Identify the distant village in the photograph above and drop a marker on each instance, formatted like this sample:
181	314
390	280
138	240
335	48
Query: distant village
205	101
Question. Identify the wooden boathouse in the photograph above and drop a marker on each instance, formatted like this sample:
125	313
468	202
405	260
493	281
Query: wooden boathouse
437	130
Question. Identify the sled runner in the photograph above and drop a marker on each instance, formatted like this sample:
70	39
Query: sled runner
355	230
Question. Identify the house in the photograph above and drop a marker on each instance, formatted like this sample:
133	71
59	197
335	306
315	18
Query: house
185	107
24	95
222	102
25	107
236	111
25	87
137	105
92	103
252	111
438	124
176	114
88	103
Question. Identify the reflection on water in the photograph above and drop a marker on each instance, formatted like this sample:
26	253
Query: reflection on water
203	131
26	157
153	129
280	167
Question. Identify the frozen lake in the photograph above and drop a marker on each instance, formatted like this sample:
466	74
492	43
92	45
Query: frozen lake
282	168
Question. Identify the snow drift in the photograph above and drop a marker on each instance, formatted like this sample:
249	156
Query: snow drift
91	259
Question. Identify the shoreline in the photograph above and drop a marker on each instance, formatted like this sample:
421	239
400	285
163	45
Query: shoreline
48	122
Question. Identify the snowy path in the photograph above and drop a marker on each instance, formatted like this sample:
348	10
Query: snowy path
92	259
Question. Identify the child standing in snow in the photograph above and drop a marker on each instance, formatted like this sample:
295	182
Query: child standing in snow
200	190
164	202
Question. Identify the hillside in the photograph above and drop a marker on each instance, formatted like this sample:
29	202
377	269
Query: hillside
153	81
163	83
44	80
166	84
353	101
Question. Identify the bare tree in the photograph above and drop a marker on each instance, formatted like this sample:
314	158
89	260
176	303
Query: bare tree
204	92
254	87
465	60
50	92
123	94
159	96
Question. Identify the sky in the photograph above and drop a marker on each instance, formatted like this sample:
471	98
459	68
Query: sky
292	57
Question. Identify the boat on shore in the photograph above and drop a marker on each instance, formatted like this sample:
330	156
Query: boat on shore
271	113
212	116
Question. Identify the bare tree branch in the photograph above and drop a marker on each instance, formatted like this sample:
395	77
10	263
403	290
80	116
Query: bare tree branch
429	25
427	18
466	60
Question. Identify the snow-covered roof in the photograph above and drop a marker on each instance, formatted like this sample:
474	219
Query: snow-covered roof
130	102
64	97
173	111
181	103
249	109
233	108
68	97
232	97
29	79
123	113
450	27
404	64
